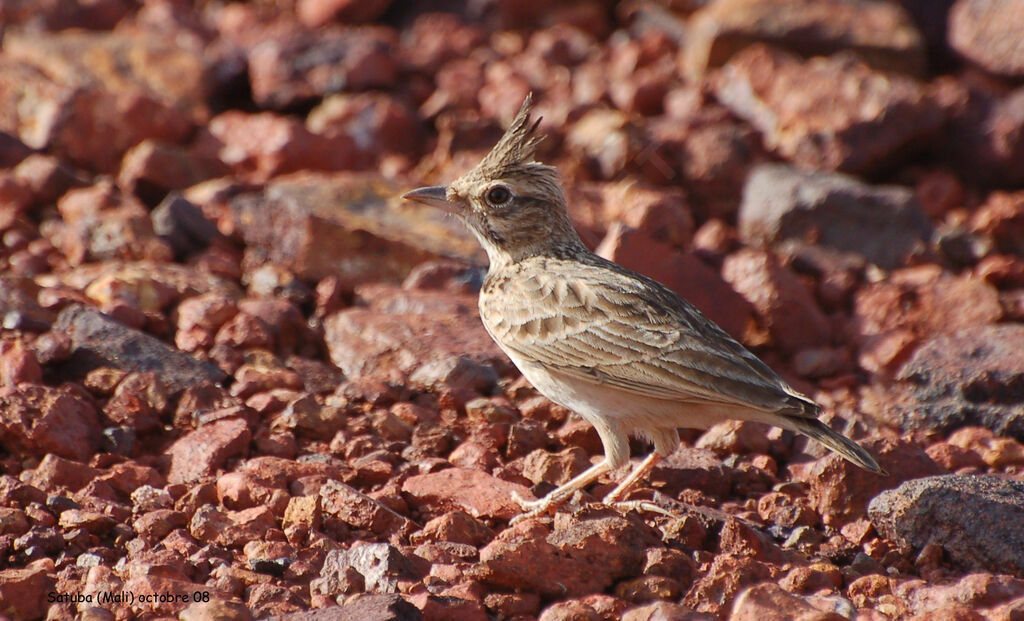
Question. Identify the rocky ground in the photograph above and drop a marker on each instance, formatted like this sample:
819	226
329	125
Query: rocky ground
241	379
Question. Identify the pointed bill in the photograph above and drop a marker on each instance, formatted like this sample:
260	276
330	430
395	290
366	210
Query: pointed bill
434	195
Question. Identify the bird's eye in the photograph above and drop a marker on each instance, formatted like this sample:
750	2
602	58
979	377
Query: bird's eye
498	195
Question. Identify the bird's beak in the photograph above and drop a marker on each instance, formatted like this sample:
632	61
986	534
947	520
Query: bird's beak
435	196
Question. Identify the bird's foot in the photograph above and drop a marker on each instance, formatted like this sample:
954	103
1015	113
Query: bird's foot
533	508
639	505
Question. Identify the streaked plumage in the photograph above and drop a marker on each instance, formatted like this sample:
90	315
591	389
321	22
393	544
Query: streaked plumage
626	353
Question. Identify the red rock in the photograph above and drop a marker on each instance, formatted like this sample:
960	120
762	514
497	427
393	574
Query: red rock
783	303
840	491
300	65
23	592
215	609
36	420
263	145
158	524
18	364
986	125
150	169
942	304
954	458
456	527
475	492
160	595
972	592
883	354
715	591
436	38
231	528
301	517
807	579
46	177
112	103
1002	217
138	401
569	609
643	90
555	468
984	33
664	610
360	511
683	273
739	539
473	455
732	437
769	602
832	113
200	453
243	490
364	342
378	124
694	469
883	35
317	13
13	522
521	558
783	510
244	331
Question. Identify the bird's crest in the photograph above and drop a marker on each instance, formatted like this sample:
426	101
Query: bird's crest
517	147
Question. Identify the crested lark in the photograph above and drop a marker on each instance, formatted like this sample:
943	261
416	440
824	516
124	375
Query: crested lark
621	350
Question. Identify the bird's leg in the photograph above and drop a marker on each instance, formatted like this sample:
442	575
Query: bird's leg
613	497
560	494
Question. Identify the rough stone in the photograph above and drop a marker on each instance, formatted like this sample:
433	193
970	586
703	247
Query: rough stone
299	65
971	377
199	453
831	113
986	34
98	340
477	493
360	511
879	32
346	225
36	420
432	348
884	224
784	304
974	518
840	491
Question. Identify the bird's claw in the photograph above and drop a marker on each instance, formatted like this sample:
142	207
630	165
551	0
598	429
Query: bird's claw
531	508
639	505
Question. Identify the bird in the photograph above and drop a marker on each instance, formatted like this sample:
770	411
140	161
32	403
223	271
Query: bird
626	353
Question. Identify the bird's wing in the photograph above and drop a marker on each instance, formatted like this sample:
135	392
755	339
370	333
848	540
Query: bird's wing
606	325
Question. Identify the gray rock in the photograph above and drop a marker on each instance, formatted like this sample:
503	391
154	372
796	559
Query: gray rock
976	519
972	377
884	224
381	566
98	340
183	225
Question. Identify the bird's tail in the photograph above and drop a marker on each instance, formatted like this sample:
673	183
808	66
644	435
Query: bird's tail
814	428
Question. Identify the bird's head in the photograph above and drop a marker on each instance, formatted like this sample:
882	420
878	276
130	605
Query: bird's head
514	205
